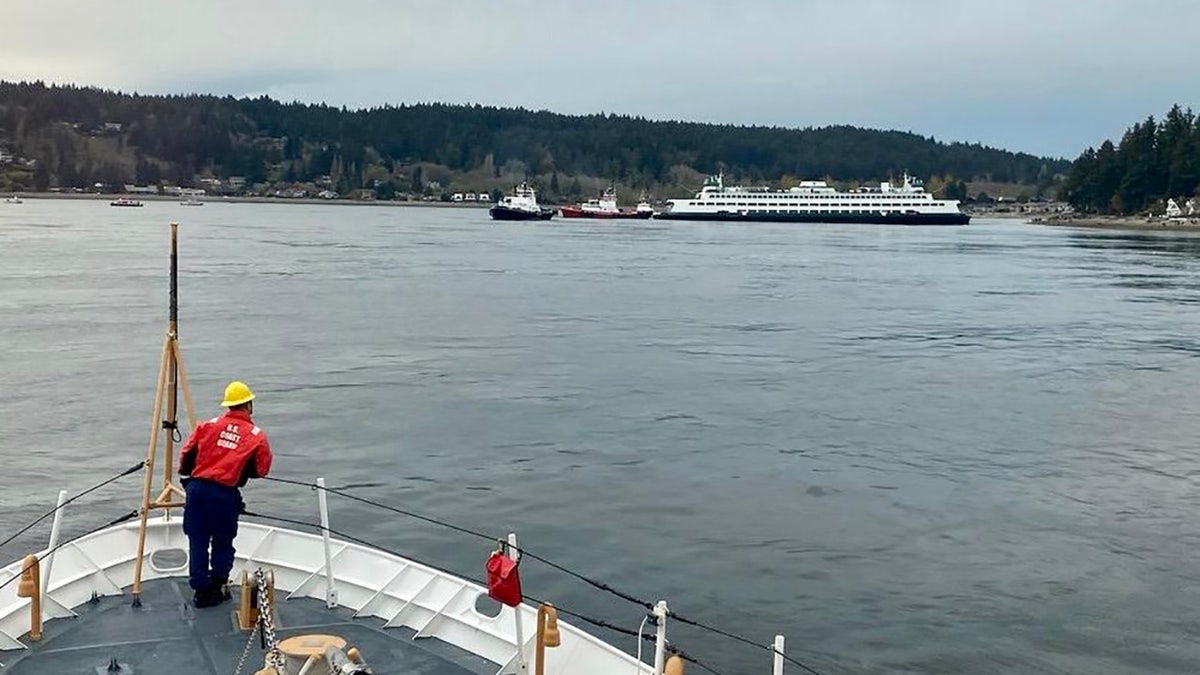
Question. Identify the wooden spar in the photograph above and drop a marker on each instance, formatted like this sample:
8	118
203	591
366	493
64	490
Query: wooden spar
148	477
189	405
172	377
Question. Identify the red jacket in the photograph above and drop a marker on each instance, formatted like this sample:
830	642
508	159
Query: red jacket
228	450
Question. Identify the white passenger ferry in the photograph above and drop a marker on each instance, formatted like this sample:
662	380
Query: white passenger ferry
816	202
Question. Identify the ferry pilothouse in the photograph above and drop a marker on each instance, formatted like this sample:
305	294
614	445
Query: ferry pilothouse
816	202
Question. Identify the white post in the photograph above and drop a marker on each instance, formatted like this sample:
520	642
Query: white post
778	655
48	563
331	600
516	556
660	636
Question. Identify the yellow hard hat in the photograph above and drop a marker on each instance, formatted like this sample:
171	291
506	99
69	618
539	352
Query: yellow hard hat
237	393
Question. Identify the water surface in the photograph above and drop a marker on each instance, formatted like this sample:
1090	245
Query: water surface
927	450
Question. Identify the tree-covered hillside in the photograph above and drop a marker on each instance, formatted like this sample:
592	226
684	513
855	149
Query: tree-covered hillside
78	136
1154	161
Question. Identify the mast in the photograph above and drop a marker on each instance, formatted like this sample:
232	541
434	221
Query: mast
172	379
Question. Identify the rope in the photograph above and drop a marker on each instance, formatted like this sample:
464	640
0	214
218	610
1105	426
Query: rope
97	486
115	521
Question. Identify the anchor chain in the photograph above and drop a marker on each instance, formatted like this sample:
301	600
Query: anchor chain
245	652
275	658
265	627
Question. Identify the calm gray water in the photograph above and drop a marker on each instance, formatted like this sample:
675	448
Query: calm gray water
927	450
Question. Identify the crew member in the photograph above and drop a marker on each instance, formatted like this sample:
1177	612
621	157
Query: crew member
219	457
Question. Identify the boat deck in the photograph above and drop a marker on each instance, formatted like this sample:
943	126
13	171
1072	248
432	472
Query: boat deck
167	635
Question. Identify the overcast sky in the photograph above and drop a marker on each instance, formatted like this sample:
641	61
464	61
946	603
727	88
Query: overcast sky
1048	77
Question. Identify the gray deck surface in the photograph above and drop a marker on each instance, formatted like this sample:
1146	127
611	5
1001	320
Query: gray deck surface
167	635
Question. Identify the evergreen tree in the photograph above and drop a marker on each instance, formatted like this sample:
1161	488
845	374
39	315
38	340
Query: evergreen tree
1154	161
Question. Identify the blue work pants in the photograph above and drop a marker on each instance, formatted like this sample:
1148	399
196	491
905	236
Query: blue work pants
210	518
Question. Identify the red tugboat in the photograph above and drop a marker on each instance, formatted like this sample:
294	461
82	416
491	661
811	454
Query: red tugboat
606	207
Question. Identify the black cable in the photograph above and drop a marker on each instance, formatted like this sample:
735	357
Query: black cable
599	623
746	640
293	521
356	540
115	521
386	507
88	491
691	659
597	584
593	582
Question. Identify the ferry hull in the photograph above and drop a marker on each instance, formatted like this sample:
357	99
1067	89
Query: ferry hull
863	218
501	213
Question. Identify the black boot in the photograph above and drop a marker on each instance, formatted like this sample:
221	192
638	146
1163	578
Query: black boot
204	597
219	589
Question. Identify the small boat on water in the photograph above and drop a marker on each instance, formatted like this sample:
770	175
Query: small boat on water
124	201
191	202
520	205
606	207
15	199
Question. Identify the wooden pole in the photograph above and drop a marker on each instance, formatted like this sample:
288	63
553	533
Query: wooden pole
148	476
185	386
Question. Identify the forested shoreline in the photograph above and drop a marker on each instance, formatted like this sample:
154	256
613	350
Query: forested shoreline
69	136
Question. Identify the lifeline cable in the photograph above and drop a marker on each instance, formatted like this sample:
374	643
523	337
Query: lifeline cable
691	659
746	640
97	486
600	623
597	584
115	521
458	528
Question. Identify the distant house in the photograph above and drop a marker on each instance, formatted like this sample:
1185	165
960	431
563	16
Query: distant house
7	157
111	128
237	182
327	194
141	189
457	197
469	197
1173	210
